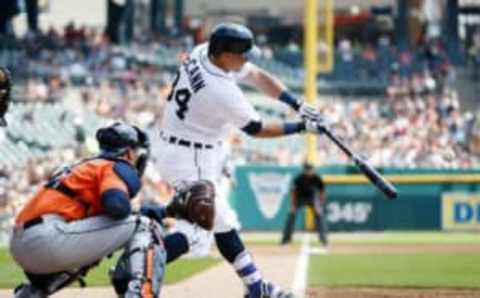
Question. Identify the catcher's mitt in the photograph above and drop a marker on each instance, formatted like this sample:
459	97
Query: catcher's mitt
195	202
5	88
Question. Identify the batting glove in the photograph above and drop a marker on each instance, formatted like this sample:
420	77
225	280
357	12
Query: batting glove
309	112
316	126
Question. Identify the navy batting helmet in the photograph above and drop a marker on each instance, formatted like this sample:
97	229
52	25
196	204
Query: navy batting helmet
232	38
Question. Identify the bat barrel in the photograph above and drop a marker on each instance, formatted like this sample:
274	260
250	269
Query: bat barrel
385	186
375	178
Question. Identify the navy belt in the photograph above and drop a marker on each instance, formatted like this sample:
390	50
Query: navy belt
185	143
60	187
32	222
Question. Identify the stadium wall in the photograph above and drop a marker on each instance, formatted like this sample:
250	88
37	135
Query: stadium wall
429	199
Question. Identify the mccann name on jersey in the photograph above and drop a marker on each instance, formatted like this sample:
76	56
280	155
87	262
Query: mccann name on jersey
192	69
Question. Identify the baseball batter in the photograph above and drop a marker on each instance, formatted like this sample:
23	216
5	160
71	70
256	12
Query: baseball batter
204	103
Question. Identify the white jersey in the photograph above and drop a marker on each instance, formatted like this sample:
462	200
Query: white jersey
205	100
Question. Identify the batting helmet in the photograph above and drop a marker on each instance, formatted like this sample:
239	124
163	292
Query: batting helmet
5	89
114	140
232	38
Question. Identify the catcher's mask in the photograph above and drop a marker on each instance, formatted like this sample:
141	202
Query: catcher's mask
116	139
5	89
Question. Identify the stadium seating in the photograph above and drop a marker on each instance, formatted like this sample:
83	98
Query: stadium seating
36	128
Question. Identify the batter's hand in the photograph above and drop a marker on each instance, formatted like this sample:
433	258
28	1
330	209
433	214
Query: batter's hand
317	126
308	111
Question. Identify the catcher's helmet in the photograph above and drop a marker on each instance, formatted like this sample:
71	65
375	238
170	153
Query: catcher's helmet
5	89
114	140
232	38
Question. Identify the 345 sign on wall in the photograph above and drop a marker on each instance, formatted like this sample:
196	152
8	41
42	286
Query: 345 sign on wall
349	212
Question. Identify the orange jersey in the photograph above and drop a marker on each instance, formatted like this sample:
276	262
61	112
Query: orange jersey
88	180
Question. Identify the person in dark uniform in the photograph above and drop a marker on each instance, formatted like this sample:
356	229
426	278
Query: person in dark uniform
308	190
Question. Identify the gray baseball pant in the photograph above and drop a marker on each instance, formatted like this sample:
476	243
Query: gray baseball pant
56	245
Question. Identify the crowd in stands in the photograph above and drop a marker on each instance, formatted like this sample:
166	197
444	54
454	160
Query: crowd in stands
113	82
407	130
371	63
379	62
21	181
81	72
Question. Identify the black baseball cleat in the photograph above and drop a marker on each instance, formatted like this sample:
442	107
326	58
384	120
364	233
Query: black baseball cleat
267	289
27	291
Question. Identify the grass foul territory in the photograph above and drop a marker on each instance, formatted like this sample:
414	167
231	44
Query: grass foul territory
11	275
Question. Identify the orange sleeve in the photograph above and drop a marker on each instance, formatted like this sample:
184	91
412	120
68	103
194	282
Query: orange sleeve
110	180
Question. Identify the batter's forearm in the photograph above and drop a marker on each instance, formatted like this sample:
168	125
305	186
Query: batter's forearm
272	86
265	82
273	130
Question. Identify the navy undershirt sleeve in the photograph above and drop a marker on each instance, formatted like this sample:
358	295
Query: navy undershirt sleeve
116	204
252	128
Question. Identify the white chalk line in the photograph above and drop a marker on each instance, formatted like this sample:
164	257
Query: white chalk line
299	284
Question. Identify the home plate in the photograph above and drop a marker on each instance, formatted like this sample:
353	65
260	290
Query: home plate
318	251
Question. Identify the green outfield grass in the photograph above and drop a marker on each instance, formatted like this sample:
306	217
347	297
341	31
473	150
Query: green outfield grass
408	238
11	275
422	270
399	270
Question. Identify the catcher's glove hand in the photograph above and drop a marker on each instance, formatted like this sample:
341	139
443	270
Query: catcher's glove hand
5	88
195	202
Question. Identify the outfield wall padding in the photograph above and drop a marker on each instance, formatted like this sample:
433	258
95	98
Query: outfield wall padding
261	199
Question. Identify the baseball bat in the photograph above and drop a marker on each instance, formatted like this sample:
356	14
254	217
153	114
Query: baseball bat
373	175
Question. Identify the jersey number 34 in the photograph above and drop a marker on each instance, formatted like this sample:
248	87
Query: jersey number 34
181	96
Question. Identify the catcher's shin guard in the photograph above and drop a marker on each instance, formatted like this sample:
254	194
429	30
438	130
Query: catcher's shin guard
139	271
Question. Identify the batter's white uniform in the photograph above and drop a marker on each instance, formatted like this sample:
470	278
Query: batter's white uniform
205	102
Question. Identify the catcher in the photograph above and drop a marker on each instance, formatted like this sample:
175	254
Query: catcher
5	89
83	214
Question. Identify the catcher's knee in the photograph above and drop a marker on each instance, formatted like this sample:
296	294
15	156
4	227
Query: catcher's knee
139	271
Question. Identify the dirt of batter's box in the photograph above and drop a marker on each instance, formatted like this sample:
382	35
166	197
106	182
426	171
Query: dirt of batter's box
390	293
